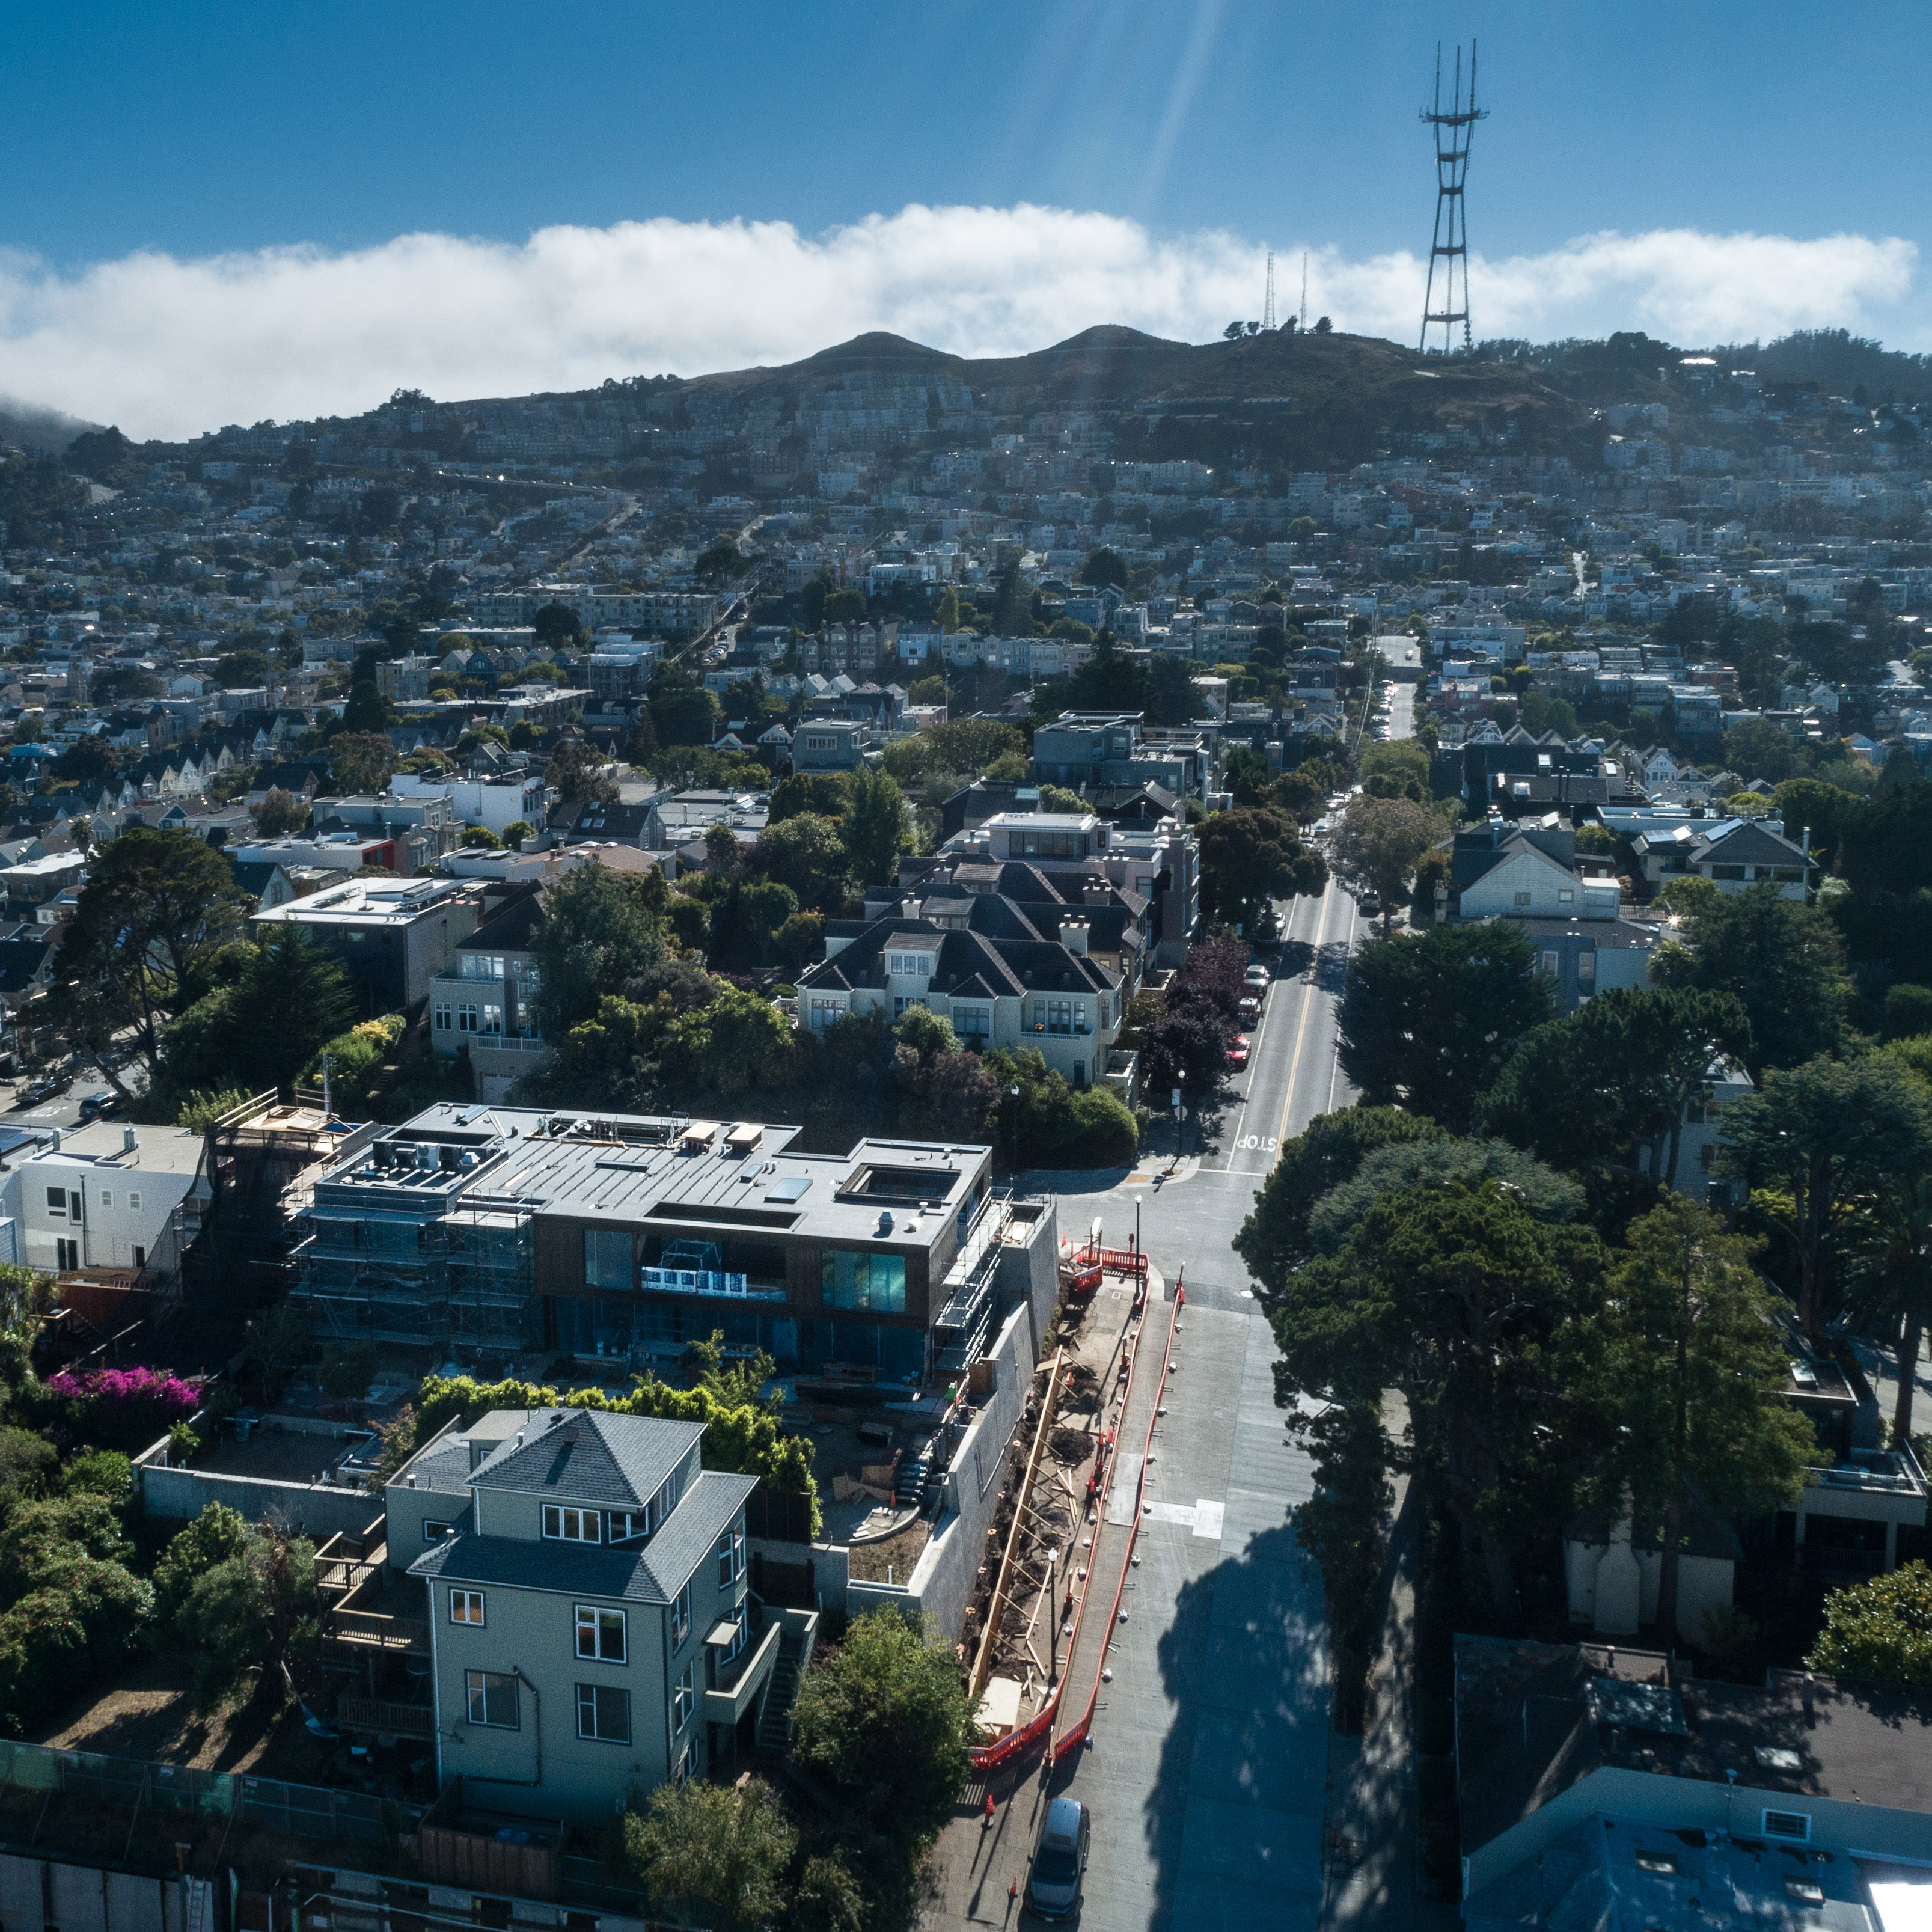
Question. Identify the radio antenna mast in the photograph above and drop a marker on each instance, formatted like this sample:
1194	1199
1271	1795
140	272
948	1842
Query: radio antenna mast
1301	320
1267	299
1451	245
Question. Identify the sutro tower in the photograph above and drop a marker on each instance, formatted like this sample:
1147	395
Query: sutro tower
1451	244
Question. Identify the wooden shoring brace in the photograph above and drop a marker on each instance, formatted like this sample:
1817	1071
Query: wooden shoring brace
982	1663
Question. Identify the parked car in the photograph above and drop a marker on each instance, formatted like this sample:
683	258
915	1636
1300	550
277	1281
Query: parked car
1256	976
1368	905
101	1105
1059	1859
1237	1050
37	1092
1250	1008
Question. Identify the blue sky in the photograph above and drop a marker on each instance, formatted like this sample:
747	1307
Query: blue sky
218	130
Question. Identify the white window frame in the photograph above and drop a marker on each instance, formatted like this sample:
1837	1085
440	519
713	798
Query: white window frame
474	1687
730	1555
107	1197
465	1607
434	1530
589	1696
57	1203
683	1698
594	1627
134	1203
565	1522
680	1619
640	1525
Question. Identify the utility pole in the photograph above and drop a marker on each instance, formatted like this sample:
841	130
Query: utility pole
1451	246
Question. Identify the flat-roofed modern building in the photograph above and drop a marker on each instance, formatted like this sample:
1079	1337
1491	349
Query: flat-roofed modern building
392	937
501	1231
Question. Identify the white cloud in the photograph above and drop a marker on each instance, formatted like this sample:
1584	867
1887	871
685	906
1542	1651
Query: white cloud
168	347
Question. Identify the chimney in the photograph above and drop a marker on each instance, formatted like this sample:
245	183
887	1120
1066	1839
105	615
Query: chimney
1073	934
130	1141
1095	892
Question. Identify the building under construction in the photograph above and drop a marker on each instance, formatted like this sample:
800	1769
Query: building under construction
481	1234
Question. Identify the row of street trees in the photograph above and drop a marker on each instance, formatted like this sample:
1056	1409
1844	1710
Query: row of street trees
1491	1233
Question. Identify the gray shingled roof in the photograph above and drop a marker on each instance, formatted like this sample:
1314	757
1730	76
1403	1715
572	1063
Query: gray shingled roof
444	1466
654	1574
588	1455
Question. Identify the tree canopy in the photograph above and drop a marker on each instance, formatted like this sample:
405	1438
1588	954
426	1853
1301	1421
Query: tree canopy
1616	1075
1250	856
598	931
1880	1630
883	1719
1809	1141
1378	844
1428	1020
1689	1373
157	908
1783	963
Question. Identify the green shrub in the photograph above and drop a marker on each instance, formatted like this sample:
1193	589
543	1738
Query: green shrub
26	1461
742	1437
203	1106
58	1638
105	1472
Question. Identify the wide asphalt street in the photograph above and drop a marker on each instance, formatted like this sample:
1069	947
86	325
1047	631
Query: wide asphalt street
1206	1772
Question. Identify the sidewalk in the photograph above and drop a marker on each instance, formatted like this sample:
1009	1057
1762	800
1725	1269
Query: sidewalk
1150	1170
1373	1849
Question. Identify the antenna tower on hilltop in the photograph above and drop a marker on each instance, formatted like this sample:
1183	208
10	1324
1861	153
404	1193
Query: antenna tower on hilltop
1451	246
1301	316
1267	300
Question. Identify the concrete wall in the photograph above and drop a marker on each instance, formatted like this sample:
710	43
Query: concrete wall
941	1585
316	1509
86	1898
1031	1274
1703	1584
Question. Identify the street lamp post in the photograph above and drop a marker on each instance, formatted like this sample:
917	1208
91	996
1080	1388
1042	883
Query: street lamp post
1014	1092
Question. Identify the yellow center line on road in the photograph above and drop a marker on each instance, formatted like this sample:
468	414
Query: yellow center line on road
1295	1059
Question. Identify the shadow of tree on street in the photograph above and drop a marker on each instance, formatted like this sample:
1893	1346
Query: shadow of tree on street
1234	1821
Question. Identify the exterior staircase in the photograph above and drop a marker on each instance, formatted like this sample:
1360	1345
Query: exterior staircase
774	1734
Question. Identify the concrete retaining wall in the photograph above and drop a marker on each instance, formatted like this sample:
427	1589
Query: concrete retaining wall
1031	1274
86	1898
316	1509
941	1585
